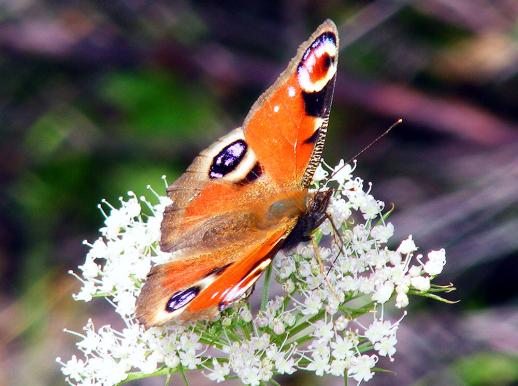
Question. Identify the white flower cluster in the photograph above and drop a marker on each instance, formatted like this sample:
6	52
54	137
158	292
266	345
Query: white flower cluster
329	321
110	355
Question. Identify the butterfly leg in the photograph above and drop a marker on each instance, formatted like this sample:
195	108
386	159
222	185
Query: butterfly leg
338	241
316	249
336	233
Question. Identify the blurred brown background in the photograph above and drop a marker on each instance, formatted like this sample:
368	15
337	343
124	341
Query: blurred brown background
97	98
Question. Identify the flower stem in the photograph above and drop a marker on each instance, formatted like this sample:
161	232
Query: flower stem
182	373
266	287
136	376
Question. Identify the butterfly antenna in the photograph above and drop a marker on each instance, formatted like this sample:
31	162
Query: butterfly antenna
335	229
399	121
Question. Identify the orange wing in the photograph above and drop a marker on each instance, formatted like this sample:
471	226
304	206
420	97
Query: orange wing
200	285
242	196
277	150
287	125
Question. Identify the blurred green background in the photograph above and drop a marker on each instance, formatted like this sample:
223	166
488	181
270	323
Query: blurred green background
98	98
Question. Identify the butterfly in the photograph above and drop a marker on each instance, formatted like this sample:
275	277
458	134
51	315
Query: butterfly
247	195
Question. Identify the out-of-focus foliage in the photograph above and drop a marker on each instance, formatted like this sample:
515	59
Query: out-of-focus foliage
97	98
487	368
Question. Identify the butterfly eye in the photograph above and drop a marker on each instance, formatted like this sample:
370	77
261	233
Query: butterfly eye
181	298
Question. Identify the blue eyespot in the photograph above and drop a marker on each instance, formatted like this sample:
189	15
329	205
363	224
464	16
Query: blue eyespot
181	298
228	159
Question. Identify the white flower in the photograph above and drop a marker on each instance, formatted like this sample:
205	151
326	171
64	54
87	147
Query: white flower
341	323
289	286
312	304
320	174
340	210
278	327
386	346
407	246
87	292
245	314
420	283
415	270
394	257
282	364
305	269
98	249
319	365
436	262
189	359
342	172
149	364
370	207
342	347
377	259
132	206
361	367
251	376
261	320
171	360
90	269
125	302
73	368
337	367
289	318
305	250
219	372
377	330
383	292
401	300
382	233
323	331
305	328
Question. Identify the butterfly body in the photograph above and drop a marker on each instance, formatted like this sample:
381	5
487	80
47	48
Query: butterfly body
246	196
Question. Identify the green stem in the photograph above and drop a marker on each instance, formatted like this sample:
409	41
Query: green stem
302	340
365	347
136	376
247	327
266	287
435	297
355	312
182	373
302	326
208	338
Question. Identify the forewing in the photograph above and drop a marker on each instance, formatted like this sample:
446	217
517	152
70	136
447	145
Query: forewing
277	150
224	178
287	125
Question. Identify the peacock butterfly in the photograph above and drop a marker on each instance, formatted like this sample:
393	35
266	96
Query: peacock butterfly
246	196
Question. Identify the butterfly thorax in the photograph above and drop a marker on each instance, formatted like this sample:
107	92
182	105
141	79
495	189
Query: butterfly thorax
313	216
285	206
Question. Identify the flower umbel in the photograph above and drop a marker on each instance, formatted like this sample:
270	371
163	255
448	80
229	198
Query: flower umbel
328	321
